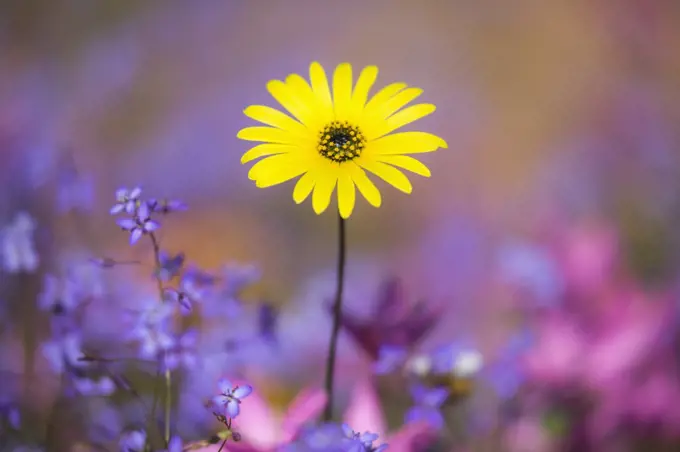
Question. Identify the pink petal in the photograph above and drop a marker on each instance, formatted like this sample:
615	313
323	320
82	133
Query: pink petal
364	412
257	423
306	407
413	436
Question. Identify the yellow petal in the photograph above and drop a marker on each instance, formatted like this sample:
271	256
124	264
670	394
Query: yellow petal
302	91
274	118
399	100
286	97
322	92
266	149
282	163
325	183
365	185
360	94
283	175
346	195
382	96
400	119
268	135
407	163
342	90
304	187
405	143
389	174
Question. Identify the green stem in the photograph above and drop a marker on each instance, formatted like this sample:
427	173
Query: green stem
335	329
168	375
168	405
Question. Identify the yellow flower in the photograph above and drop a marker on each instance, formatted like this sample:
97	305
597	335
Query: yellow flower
336	134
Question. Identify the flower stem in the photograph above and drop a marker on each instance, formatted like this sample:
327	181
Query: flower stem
168	405
168	376
337	312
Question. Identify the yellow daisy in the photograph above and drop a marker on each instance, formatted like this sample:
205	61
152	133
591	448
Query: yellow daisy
335	135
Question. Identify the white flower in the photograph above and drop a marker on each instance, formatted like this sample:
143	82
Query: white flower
467	363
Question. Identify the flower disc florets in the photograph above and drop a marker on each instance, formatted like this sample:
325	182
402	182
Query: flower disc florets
341	141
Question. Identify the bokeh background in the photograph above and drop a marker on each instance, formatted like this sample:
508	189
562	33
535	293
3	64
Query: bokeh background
553	212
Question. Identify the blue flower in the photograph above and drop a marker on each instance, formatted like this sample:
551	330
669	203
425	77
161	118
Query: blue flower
139	225
126	201
230	397
427	406
151	329
132	441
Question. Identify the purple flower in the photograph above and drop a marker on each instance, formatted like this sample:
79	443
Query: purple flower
175	444
196	283
17	249
177	296
390	358
132	441
126	201
64	352
230	397
394	321
361	442
165	206
151	329
139	225
183	352
327	437
89	387
170	266
235	278
427	406
9	415
59	295
267	321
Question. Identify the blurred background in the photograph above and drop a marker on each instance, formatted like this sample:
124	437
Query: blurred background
546	240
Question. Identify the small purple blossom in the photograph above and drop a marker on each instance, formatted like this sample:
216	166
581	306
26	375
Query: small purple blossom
126	201
390	358
104	386
169	266
132	441
139	225
59	295
183	352
151	329
230	397
197	283
427	405
166	206
171	295
361	442
64	352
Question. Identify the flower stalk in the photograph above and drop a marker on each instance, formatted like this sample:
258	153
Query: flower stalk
337	314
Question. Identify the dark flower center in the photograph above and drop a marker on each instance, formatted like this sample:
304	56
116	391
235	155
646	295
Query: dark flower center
341	142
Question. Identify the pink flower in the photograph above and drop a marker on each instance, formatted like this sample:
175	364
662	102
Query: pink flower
560	348
589	258
365	414
262	430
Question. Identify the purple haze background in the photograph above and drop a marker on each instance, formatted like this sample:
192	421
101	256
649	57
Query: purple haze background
547	234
